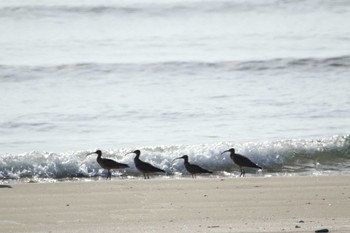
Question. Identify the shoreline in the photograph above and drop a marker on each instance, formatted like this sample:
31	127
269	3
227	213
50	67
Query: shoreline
250	204
115	178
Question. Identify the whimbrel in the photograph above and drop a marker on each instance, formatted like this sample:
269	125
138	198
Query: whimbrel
241	161
143	167
192	168
108	163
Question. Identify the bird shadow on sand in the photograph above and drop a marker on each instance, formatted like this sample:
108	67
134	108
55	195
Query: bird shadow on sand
5	186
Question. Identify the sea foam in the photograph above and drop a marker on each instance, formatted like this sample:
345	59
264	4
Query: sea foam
281	157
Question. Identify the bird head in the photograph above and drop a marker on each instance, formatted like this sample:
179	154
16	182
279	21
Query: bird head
98	152
137	152
185	157
232	151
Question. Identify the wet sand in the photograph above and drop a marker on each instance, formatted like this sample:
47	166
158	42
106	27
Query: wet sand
273	204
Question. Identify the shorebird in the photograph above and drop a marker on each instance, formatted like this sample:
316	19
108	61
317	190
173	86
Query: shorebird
192	168
241	161
143	167
108	163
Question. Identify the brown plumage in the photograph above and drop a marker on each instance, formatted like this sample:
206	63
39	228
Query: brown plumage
108	163
241	161
143	167
192	168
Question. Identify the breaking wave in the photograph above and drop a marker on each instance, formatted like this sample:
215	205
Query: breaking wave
287	157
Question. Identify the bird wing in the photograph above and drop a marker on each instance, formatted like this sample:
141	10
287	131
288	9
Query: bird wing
110	164
193	168
243	161
147	168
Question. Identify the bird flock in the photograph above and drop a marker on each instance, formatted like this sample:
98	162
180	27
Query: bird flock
146	168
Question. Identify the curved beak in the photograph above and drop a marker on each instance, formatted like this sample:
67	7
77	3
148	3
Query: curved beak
225	151
129	153
177	158
90	154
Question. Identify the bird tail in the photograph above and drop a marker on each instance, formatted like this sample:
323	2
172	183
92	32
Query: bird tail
125	166
206	171
160	170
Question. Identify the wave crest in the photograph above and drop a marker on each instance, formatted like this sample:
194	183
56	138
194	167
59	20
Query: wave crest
281	157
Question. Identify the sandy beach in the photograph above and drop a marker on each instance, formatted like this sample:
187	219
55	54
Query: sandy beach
271	204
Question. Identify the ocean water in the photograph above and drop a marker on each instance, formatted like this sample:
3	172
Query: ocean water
270	78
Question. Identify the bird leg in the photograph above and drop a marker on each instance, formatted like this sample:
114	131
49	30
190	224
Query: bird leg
144	175
109	175
242	172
